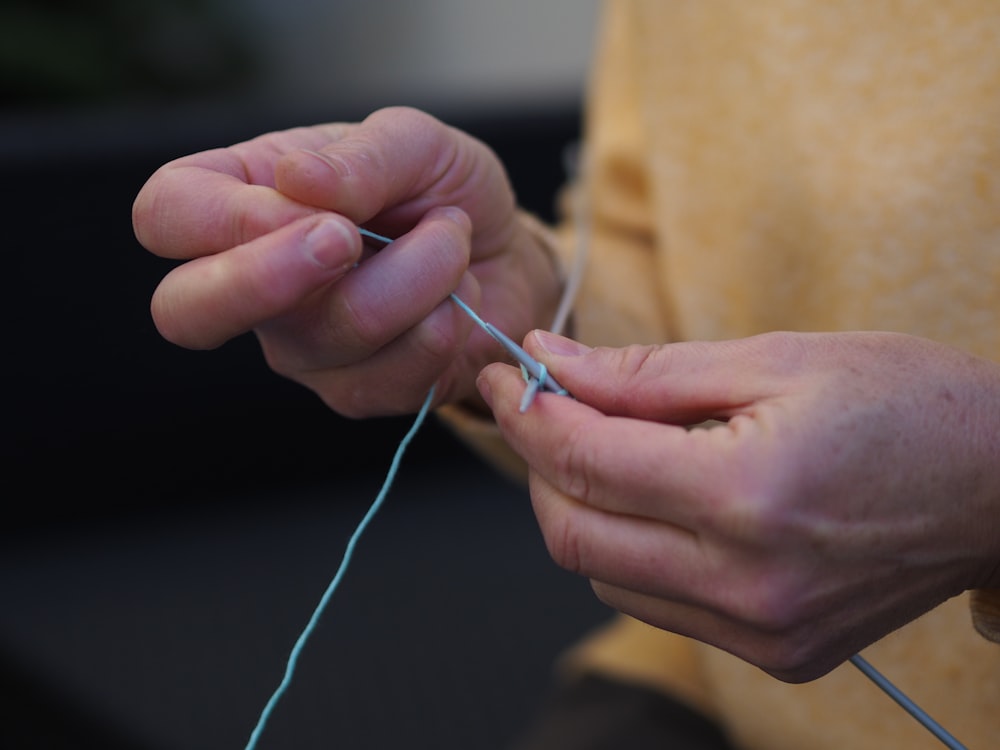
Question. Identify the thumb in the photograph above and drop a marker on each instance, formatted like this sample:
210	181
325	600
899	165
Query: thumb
400	161
681	383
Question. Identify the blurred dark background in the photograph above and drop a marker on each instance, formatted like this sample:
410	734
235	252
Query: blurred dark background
174	516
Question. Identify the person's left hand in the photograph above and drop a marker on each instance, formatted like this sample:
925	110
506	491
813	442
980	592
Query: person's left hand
849	486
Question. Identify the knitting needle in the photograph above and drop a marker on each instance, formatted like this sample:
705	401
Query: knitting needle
533	369
532	366
908	705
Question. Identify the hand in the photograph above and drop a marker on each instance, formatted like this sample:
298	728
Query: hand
268	230
850	486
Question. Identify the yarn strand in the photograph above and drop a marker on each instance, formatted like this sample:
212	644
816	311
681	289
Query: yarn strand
348	553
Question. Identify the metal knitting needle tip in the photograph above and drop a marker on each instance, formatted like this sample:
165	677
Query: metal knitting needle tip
372	236
532	366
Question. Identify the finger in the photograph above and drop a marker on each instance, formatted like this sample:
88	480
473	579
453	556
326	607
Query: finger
690	478
397	378
678	581
209	300
396	165
682	383
381	299
656	558
202	206
763	589
214	200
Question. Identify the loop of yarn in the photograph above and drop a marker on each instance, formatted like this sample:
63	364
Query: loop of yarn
534	385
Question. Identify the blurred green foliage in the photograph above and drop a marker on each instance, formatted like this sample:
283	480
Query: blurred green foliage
55	53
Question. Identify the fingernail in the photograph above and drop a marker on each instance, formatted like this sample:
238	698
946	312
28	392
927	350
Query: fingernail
560	346
329	244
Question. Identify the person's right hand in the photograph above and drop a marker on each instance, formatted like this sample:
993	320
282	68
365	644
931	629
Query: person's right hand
268	232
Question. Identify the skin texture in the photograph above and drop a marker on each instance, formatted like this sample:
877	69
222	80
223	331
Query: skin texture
849	486
266	232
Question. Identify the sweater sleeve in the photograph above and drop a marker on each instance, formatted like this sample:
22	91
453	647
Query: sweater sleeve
608	210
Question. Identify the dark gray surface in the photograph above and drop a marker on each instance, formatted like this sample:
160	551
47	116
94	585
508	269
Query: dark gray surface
174	629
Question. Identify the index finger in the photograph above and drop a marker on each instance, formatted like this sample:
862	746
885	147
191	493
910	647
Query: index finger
213	200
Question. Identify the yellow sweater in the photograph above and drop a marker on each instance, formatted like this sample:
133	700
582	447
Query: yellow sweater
793	165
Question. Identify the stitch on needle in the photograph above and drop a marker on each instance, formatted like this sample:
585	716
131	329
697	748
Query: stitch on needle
535	373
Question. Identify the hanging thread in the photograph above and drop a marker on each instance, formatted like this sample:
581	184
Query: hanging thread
348	553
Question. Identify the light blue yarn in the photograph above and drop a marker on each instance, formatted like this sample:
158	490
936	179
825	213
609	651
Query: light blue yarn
349	551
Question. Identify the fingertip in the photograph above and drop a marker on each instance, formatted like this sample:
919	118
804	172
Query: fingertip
484	386
168	308
500	384
332	243
447	227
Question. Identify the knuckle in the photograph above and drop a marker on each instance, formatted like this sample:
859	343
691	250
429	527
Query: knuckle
749	521
757	502
434	344
408	116
563	543
786	352
796	659
573	463
560	523
347	327
774	604
639	364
